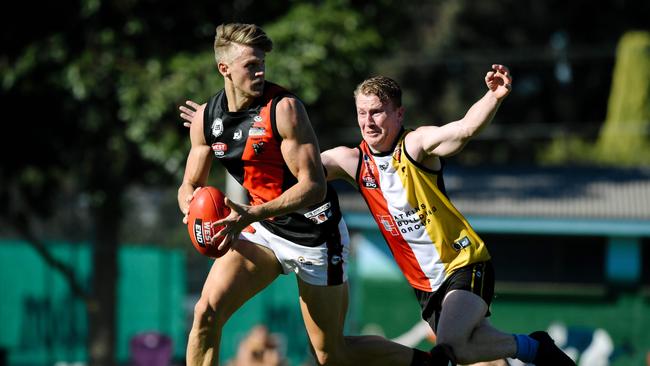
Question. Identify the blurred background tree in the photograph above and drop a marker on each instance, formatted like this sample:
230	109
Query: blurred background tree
624	138
93	145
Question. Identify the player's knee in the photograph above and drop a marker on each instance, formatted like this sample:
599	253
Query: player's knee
464	354
207	315
327	358
464	358
459	346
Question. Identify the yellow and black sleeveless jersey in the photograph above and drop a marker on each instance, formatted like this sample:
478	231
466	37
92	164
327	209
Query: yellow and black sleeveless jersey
247	143
427	235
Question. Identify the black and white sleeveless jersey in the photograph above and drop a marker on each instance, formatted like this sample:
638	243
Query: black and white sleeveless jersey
247	143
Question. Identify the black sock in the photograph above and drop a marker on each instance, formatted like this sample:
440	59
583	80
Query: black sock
442	355
420	358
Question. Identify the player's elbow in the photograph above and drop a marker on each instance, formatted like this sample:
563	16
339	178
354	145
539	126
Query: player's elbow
320	191
465	132
317	192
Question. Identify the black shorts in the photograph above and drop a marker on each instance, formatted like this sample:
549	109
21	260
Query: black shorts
477	278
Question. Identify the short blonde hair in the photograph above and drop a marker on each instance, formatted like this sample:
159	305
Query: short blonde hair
245	34
385	88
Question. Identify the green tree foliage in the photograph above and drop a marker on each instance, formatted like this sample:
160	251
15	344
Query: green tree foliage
321	51
147	99
318	47
624	138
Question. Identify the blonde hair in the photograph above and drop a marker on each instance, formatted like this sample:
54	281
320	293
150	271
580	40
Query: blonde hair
244	34
385	88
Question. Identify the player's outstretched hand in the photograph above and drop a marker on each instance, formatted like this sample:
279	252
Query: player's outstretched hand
499	81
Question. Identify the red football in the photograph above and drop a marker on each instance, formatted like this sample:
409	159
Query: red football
206	207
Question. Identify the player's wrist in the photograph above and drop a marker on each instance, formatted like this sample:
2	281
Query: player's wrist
257	213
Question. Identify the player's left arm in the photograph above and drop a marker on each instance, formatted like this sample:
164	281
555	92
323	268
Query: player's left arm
197	166
450	138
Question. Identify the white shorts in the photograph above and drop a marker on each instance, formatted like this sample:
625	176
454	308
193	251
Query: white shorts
323	265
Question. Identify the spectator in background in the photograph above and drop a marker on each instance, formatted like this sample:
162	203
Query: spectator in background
259	348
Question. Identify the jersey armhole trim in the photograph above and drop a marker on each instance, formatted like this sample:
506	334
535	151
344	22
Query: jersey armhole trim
356	175
418	164
207	117
274	103
274	125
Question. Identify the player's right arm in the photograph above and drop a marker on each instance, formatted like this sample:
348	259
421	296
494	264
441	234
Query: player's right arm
341	163
197	167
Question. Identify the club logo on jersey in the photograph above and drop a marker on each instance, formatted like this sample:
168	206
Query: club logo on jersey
320	214
368	178
383	166
257	118
258	147
256	131
388	224
219	149
461	243
369	181
217	127
237	135
397	153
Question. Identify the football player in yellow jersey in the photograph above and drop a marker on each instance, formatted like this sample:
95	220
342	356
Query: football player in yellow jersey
455	302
